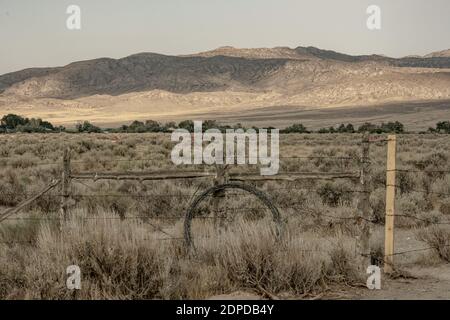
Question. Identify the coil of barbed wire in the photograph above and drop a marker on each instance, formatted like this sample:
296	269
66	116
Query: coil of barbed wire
250	189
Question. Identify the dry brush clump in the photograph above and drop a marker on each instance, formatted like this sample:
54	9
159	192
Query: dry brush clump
438	238
444	207
127	260
118	260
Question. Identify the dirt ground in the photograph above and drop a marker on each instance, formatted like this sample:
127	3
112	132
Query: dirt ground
423	283
428	283
421	277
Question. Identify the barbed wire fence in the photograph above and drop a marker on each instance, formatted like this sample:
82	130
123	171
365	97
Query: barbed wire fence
363	218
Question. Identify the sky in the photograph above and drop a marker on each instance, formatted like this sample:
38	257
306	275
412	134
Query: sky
34	33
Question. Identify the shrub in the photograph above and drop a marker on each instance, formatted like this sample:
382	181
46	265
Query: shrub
86	126
17	123
334	194
11	121
390	127
349	128
443	126
378	204
437	238
187	124
296	128
445	208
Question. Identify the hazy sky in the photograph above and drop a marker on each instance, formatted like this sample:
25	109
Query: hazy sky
34	33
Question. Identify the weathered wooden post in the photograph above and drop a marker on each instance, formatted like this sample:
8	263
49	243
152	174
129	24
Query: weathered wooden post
65	185
390	204
364	203
218	196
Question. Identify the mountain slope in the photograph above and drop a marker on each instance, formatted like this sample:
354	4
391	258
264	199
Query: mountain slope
225	68
441	54
226	78
146	71
11	78
255	53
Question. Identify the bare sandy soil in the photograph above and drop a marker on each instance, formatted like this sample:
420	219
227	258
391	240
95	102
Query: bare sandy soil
424	283
419	277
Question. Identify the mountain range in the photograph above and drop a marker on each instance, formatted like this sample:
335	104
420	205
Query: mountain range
225	82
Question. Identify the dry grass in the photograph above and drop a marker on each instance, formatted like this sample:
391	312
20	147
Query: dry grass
437	238
126	258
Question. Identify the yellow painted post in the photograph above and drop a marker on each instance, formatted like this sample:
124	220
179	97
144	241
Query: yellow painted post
390	204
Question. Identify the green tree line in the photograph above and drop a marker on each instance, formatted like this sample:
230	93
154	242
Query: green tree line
14	123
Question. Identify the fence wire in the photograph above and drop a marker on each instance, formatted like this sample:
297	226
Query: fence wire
333	218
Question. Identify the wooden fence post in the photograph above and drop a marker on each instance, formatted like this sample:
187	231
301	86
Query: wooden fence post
390	204
65	184
364	203
220	178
